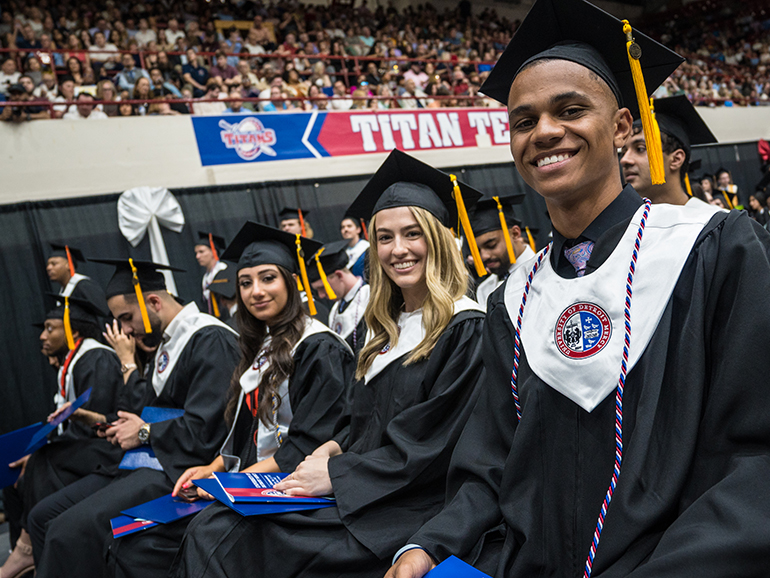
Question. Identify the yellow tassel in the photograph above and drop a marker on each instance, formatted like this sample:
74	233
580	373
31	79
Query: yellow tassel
531	239
466	223
687	186
303	273
506	232
140	298
328	288
68	325
214	306
299	285
649	124
726	195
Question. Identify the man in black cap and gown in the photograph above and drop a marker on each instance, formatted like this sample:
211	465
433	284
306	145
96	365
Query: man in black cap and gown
193	366
69	334
623	427
61	268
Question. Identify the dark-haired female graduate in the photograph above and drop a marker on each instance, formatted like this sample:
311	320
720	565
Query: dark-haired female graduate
417	377
623	430
287	392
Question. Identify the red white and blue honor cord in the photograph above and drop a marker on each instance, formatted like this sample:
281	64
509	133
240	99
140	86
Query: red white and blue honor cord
621	380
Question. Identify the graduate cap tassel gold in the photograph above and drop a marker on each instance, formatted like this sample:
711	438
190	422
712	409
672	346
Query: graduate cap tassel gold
303	272
531	239
68	323
140	298
328	288
466	225
649	124
687	185
506	231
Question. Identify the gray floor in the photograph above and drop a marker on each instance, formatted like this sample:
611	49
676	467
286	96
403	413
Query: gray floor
4	545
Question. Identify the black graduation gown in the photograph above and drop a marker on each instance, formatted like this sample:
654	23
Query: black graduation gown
77	539
357	344
693	496
317	394
397	435
78	450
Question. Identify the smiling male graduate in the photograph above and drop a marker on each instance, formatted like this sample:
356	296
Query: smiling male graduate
623	429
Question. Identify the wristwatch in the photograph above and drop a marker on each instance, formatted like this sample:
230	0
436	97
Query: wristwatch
126	367
144	433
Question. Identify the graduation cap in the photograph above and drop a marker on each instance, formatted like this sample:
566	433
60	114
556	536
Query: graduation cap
360	220
257	244
133	276
223	284
215	243
67	252
294	213
495	214
678	118
403	181
632	64
331	257
70	309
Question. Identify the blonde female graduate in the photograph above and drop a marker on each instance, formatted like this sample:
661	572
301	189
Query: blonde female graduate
415	388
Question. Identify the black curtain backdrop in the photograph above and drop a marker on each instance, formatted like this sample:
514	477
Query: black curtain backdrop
91	224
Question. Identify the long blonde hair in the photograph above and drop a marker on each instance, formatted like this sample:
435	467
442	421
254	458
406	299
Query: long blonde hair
447	281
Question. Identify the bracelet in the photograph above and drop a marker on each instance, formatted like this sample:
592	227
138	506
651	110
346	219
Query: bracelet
126	367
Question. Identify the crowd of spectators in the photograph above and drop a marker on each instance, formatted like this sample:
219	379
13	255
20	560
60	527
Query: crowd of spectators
297	57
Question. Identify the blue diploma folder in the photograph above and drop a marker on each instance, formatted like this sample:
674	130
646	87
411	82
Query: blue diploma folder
252	487
124	525
49	427
13	446
166	509
252	509
453	567
144	457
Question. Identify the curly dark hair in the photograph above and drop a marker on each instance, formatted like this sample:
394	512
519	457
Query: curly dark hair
284	333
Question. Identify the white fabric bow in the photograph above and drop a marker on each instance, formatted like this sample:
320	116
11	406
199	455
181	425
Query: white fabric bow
141	208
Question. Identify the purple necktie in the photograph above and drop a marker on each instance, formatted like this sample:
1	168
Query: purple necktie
578	256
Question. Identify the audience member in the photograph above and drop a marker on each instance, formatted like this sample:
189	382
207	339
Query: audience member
85	109
127	78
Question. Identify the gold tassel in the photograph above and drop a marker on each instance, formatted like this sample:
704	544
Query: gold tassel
68	323
214	306
140	298
463	216
328	288
303	273
687	186
506	232
649	124
531	239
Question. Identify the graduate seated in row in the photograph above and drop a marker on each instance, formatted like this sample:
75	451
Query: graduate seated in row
207	251
502	241
70	335
61	268
623	428
331	278
288	391
197	355
415	389
357	246
223	288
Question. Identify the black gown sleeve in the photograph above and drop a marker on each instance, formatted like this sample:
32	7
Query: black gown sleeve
199	384
381	484
98	369
323	368
476	470
721	528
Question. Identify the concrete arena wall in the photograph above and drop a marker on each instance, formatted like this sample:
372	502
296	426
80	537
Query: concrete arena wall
62	159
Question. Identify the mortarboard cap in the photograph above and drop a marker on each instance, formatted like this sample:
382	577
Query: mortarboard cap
67	252
328	259
695	165
678	118
291	213
486	214
580	32
70	309
632	64
404	181
223	284
257	244
209	238
136	277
